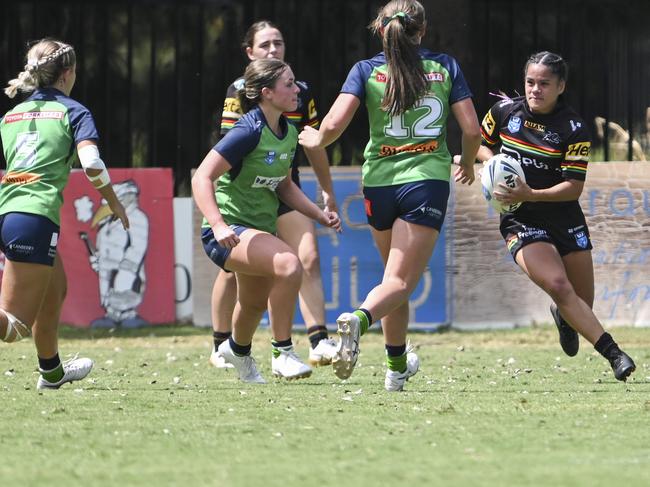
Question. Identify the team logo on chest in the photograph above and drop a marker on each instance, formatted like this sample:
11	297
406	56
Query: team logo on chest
270	157
514	124
552	137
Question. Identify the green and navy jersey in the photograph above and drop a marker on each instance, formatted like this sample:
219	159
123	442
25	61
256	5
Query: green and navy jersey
39	139
260	160
551	148
410	146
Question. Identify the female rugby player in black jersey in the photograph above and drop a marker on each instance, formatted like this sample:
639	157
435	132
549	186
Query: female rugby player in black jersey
548	235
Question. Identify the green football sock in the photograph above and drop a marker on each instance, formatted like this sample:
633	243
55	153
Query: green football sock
396	363
363	321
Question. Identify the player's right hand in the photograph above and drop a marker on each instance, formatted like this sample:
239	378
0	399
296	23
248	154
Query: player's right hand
119	212
225	236
310	138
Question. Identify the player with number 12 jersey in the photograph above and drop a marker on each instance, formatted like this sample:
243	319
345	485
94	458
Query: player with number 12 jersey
410	146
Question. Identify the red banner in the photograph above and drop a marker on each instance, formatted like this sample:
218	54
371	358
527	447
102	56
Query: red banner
117	277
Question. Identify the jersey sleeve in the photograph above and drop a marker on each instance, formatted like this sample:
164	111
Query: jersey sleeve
355	83
240	141
82	123
231	109
490	127
308	112
576	156
459	87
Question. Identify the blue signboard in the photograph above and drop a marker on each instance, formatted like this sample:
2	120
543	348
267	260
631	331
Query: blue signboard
350	262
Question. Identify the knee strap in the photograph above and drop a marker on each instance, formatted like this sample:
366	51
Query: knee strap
14	324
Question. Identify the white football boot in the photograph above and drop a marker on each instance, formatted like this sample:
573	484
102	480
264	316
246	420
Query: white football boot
347	352
395	380
323	353
289	366
217	360
245	364
73	369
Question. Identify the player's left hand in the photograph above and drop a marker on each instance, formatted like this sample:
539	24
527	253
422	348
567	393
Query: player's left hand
464	173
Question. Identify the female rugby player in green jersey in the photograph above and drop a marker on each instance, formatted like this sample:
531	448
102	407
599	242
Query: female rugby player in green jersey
252	166
409	93
548	235
263	40
42	137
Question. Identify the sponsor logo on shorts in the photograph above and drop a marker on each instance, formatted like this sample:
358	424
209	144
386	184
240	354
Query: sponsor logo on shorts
533	233
431	212
514	124
391	150
23	249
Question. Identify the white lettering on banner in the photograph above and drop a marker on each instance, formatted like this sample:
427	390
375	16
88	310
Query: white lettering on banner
336	284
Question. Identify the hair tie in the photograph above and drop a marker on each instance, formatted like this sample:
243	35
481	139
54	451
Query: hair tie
32	65
398	15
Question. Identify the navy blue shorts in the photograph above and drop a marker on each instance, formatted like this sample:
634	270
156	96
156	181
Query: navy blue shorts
26	237
566	229
216	252
421	202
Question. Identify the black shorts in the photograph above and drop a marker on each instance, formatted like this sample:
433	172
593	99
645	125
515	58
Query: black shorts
295	177
216	252
27	237
564	228
421	202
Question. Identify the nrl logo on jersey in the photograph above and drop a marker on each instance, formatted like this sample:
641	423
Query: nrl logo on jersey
514	124
267	182
270	157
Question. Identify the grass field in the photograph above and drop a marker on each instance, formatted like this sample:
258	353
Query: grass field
504	408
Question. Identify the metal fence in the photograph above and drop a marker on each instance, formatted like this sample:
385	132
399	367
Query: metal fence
154	73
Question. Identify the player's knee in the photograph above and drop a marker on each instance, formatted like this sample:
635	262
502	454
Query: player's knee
288	267
16	329
559	289
310	262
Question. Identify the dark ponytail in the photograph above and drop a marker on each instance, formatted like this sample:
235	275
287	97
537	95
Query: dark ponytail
401	24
